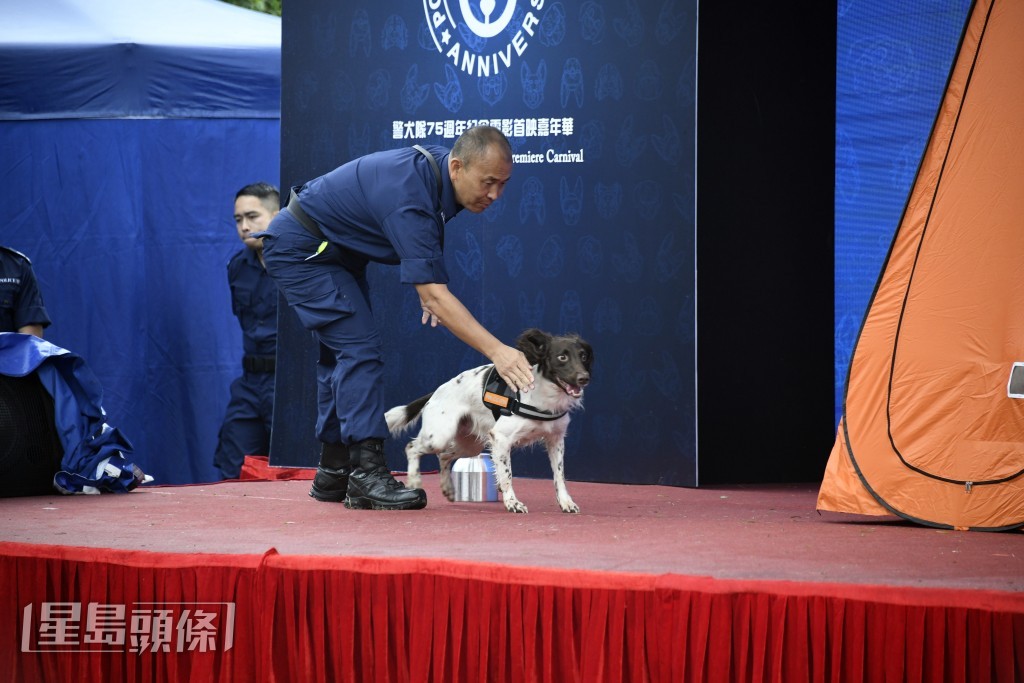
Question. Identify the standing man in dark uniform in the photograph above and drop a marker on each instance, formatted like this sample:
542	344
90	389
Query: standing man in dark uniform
388	207
246	426
21	303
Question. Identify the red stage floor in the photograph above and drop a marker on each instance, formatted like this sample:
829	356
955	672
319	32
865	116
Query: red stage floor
769	533
647	584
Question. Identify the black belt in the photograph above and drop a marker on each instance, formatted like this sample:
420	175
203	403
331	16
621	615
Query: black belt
308	223
259	364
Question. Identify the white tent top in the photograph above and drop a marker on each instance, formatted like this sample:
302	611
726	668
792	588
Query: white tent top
138	58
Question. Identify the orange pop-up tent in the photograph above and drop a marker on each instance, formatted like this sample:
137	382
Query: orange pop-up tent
931	430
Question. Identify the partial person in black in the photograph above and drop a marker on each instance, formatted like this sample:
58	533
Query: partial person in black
21	303
246	426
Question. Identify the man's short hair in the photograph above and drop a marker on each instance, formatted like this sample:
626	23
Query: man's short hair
473	144
265	192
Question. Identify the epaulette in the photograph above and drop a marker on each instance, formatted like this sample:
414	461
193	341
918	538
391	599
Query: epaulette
16	253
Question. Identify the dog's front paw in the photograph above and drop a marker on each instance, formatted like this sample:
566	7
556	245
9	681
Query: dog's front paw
413	481
513	505
569	507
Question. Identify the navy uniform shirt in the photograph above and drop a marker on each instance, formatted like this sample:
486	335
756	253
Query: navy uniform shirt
383	207
254	303
21	303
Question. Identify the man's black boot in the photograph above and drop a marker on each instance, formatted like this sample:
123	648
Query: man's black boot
331	481
371	486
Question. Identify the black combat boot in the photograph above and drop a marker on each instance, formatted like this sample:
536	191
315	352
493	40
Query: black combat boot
371	486
331	481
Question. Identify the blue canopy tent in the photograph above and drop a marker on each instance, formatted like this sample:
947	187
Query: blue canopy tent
126	127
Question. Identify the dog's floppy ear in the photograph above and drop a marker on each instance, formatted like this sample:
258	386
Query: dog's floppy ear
590	353
534	344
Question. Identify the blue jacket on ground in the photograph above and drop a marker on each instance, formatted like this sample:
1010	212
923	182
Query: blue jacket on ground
95	454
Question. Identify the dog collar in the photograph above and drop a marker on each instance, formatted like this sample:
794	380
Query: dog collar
502	400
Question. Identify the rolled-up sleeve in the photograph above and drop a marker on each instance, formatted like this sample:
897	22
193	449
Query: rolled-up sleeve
418	271
416	237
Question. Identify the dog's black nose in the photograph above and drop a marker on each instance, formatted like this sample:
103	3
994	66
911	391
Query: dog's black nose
582	380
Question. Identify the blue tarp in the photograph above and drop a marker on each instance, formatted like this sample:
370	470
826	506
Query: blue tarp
892	62
126	127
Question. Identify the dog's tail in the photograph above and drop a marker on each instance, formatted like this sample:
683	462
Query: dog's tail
401	418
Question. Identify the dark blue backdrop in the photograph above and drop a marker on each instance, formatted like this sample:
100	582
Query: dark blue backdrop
601	243
127	219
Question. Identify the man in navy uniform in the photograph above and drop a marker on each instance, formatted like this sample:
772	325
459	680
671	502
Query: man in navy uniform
21	303
246	426
388	207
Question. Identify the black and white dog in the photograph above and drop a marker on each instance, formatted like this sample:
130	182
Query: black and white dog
475	410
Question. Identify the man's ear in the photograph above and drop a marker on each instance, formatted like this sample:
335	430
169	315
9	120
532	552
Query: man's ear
454	165
534	344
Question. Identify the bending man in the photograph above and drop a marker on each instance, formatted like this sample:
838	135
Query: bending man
388	207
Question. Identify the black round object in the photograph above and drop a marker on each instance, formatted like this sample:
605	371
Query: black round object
30	450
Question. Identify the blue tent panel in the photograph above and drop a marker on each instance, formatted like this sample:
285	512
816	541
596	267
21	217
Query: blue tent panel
127	127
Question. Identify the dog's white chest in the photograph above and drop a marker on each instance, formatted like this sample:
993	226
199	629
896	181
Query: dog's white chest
521	430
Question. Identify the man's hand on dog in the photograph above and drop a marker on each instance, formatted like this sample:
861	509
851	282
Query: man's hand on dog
440	307
514	368
511	363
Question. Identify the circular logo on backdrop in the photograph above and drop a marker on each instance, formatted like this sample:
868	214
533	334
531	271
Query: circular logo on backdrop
482	38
